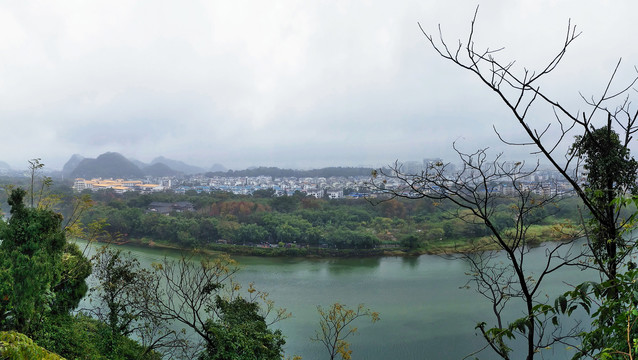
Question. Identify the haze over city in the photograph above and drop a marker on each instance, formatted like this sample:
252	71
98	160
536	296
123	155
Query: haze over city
287	84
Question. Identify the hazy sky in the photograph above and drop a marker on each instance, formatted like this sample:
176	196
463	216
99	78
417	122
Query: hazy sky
279	83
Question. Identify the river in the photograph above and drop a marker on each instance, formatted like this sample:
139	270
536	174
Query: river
425	314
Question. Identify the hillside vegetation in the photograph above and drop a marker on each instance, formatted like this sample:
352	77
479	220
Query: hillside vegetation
296	225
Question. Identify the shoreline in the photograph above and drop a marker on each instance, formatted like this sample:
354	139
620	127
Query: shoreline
450	248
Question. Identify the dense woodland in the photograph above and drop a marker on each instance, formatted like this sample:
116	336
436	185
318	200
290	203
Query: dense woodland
296	223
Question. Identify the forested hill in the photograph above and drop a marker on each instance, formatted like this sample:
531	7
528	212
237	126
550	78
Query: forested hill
277	172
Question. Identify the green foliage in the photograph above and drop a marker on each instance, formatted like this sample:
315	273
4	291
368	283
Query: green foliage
540	315
284	204
17	346
252	233
241	333
201	295
72	287
120	295
74	337
31	264
411	242
607	161
245	220
350	239
611	173
82	337
42	278
614	332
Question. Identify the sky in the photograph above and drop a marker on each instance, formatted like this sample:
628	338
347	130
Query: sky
293	84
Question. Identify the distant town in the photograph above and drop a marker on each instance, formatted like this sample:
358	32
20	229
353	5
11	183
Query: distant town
319	187
542	182
116	172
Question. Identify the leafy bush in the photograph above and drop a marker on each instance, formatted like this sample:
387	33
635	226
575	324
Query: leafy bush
17	346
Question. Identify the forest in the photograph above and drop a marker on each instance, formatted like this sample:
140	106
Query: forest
298	225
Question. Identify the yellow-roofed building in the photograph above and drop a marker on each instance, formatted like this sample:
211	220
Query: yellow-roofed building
119	185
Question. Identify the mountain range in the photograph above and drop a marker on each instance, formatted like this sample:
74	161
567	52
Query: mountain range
115	165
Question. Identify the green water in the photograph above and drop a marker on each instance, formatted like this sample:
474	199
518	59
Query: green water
424	313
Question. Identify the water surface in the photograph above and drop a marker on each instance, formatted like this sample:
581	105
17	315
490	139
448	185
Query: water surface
425	313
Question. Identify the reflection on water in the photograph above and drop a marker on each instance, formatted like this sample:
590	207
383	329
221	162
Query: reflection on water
424	313
344	266
410	261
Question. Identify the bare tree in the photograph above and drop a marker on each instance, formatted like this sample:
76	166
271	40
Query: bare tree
184	307
336	326
119	301
197	292
520	91
477	189
597	164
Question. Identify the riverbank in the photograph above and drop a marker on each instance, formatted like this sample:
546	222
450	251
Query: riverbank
242	250
537	235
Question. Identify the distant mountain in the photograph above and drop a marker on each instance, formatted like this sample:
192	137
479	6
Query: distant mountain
4	166
277	172
138	163
160	170
218	167
108	165
178	165
70	165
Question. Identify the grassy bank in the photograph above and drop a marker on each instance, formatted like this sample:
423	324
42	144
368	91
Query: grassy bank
536	235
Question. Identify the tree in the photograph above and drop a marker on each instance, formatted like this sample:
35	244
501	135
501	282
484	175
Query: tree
474	190
603	130
72	287
41	273
30	256
287	233
34	166
336	326
608	119
611	173
252	233
285	204
411	242
197	294
200	295
264	193
120	297
118	277
241	333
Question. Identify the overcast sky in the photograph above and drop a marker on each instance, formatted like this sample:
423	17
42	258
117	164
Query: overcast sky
295	84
